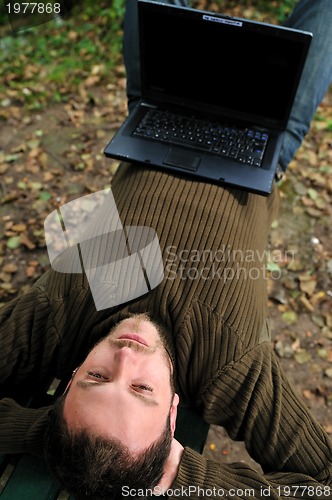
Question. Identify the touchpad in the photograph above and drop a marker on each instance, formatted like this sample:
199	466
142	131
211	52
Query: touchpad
183	159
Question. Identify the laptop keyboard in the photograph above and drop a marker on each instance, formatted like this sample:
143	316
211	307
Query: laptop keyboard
245	145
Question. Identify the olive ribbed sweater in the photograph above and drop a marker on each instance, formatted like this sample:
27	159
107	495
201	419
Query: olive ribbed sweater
213	300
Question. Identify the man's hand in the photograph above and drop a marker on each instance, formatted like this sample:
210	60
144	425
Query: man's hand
171	466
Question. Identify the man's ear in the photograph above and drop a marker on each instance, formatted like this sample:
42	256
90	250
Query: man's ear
174	412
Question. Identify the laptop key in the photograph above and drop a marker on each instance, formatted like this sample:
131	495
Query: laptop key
185	142
242	144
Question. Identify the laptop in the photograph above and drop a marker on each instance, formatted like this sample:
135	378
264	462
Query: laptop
217	92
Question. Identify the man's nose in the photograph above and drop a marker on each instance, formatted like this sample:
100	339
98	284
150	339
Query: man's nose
124	356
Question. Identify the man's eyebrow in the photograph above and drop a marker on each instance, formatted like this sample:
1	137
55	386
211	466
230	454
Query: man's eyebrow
88	384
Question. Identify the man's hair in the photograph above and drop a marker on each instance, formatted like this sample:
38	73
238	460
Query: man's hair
97	468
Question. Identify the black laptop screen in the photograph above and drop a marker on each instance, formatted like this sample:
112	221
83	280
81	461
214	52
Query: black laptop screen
217	66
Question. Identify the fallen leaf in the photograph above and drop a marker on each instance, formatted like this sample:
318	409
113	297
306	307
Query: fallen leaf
318	319
308	394
24	240
313	212
290	317
19	228
313	194
308	286
305	302
30	271
328	372
13	242
322	353
302	356
45	195
10	268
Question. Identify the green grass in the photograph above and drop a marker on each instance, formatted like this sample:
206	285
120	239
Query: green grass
60	53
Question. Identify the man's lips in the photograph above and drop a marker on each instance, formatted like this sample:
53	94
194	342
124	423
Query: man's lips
133	336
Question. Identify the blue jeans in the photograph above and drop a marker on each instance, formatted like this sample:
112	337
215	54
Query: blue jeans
309	15
314	16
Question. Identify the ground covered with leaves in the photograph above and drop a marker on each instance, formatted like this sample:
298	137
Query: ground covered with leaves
62	96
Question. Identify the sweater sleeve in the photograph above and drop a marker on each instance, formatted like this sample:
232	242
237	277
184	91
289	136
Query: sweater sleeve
254	401
28	348
21	429
28	343
201	478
